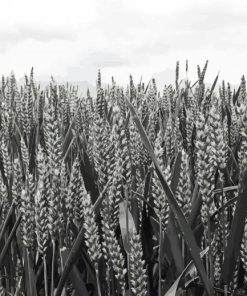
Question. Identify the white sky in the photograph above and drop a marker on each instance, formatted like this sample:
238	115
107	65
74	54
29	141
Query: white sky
72	39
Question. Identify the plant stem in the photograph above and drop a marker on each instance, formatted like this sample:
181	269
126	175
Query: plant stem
222	217
225	290
45	276
128	236
29	270
211	267
53	266
97	279
206	256
128	268
160	244
108	278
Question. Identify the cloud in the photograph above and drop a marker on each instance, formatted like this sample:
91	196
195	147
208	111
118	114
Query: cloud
155	47
104	59
122	37
24	31
87	68
198	26
117	20
213	17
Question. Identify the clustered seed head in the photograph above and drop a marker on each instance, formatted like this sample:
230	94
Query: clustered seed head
65	158
91	230
138	275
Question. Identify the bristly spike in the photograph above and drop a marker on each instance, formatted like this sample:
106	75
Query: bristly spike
99	79
177	75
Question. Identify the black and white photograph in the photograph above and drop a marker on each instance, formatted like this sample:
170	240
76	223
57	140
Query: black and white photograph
123	148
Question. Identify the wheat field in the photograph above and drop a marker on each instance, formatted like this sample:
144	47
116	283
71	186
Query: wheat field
132	192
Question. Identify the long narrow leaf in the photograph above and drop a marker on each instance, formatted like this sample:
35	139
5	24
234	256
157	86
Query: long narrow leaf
124	220
172	233
235	237
7	244
75	276
6	222
30	279
74	252
173	289
185	228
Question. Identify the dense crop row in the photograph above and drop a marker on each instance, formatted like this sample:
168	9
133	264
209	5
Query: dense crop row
116	195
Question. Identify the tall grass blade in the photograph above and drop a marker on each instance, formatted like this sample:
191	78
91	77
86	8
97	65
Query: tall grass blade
184	227
188	269
236	234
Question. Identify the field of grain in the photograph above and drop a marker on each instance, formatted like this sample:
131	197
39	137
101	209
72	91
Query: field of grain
134	192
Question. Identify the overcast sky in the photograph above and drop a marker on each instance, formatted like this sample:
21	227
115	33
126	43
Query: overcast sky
72	39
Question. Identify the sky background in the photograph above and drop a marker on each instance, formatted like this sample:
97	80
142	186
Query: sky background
72	39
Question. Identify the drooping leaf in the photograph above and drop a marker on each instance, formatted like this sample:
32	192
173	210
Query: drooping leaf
127	224
188	269
236	234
